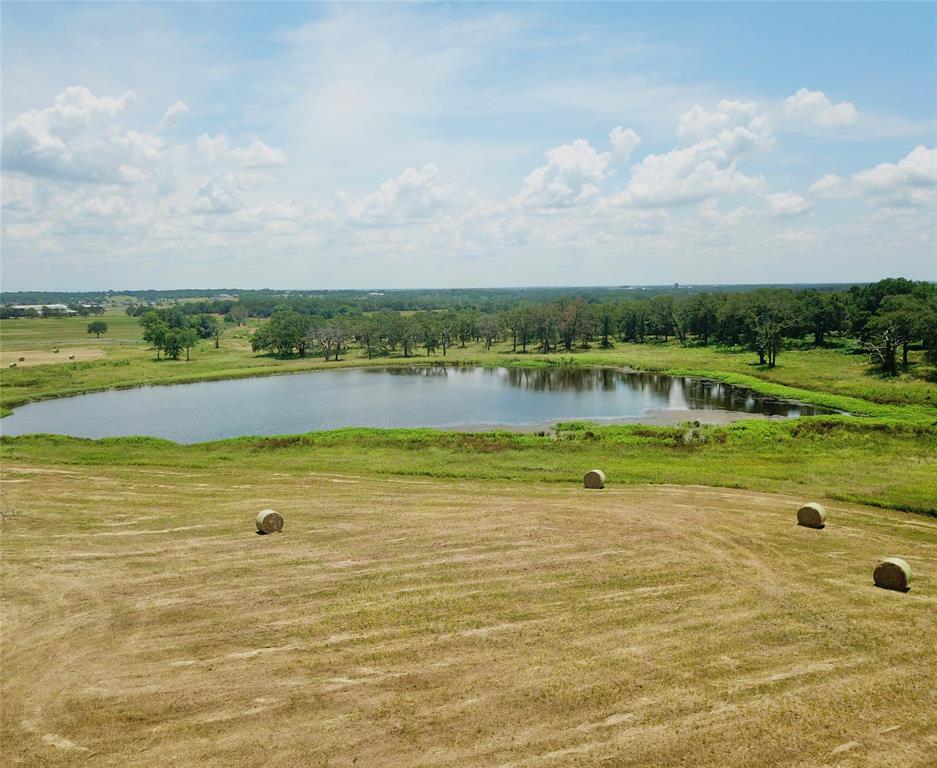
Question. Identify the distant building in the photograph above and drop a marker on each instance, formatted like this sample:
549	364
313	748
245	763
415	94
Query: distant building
375	293
43	308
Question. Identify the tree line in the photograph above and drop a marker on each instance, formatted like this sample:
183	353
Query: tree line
883	320
886	318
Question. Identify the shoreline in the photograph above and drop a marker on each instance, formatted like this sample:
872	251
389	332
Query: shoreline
845	405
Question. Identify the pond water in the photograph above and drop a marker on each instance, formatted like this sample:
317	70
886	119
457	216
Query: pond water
449	397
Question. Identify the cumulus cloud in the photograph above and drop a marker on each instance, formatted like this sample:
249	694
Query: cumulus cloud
623	141
816	107
917	169
910	181
79	138
172	116
706	168
254	155
787	204
414	194
219	195
699	124
830	186
570	177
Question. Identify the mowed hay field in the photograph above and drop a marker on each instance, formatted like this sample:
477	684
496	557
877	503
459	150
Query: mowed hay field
415	622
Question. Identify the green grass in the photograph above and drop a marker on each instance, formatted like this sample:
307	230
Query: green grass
828	377
884	454
875	462
28	333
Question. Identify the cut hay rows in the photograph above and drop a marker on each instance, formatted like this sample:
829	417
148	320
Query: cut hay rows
269	521
893	573
441	623
594	478
811	515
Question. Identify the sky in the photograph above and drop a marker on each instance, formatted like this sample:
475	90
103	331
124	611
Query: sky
309	146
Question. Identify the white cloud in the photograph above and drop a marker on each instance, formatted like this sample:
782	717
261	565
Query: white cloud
709	167
912	181
816	107
698	124
254	155
787	204
413	194
219	195
80	139
829	186
917	169
909	182
570	177
172	116
623	141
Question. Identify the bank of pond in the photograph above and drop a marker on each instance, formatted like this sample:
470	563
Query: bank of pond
401	397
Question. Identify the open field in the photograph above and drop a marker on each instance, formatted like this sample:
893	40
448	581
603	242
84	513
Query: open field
413	622
444	599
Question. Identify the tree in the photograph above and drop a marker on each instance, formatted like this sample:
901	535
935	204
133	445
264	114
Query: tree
901	320
204	326
369	332
769	317
330	335
660	316
606	324
217	331
403	332
174	342
155	330
188	337
574	323
522	325
284	332
823	312
97	327
428	331
488	328
239	313
702	315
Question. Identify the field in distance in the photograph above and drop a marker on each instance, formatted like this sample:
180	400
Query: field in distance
414	622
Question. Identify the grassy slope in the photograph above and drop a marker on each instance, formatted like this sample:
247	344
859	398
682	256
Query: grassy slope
885	464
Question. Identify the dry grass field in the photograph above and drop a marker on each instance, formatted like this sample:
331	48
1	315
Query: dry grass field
415	622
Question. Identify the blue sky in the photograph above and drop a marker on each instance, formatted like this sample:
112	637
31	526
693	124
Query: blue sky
396	145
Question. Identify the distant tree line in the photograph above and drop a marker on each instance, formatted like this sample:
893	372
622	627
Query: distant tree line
884	320
887	318
10	311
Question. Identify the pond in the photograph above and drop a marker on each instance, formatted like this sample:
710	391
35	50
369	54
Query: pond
446	397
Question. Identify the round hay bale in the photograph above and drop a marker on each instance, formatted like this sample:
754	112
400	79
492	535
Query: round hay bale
892	573
71	357
811	515
22	359
269	521
55	351
594	478
12	365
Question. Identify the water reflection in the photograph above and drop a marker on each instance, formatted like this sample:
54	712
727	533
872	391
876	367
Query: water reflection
673	392
417	396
